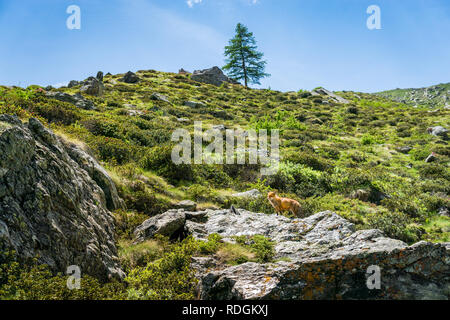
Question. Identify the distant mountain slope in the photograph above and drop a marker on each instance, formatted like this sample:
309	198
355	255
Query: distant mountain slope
434	96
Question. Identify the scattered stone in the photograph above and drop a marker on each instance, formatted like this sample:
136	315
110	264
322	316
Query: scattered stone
444	211
219	127
183	120
187	205
438	131
159	97
130	77
405	150
194	104
254	193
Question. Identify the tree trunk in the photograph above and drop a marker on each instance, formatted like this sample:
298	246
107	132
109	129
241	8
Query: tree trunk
244	68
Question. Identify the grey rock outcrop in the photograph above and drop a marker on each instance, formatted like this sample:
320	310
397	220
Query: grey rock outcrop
213	76
330	95
77	99
50	206
322	257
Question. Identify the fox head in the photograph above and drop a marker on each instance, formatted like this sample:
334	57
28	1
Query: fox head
271	195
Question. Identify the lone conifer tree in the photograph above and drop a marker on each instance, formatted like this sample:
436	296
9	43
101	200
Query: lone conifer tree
243	61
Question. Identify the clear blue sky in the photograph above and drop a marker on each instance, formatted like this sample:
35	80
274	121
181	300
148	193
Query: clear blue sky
307	43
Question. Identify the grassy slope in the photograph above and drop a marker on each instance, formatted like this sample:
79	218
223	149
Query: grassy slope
436	98
328	150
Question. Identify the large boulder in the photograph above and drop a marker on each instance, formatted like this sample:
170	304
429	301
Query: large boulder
169	224
320	257
213	76
130	77
50	206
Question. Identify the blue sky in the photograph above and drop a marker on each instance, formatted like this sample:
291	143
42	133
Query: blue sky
307	43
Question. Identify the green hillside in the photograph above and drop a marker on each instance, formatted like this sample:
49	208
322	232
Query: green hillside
437	96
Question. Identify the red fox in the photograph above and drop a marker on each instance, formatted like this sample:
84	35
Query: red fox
284	204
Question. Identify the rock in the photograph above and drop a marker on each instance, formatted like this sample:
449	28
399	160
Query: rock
213	76
327	259
187	205
182	71
169	224
254	193
197	216
74	83
78	100
194	104
48	88
99	76
406	149
50	205
438	131
219	127
431	158
360	194
159	97
98	174
325	92
444	211
92	86
183	120
353	110
130	77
